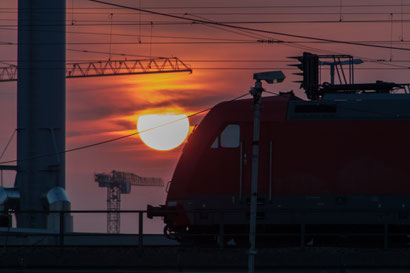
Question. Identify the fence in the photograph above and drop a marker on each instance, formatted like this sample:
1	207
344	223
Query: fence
390	233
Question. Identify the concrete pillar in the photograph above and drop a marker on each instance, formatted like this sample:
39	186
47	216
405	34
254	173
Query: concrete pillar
40	105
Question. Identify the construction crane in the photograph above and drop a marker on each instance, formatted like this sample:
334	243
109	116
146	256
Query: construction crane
111	68
118	183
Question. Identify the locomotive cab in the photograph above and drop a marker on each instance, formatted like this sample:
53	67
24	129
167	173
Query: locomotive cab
214	170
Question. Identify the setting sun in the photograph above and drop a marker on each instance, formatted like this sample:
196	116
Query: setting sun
167	137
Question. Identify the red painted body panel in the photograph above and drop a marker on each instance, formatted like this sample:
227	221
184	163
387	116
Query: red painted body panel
312	157
201	169
342	157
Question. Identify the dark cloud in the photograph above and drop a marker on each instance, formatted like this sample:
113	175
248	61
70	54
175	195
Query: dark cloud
194	99
123	125
101	110
89	108
76	133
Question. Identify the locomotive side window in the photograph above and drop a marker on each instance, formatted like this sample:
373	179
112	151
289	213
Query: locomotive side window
215	144
230	136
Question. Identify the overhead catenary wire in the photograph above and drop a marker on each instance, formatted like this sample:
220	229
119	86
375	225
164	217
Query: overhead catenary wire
199	43
113	139
389	63
268	40
187	60
88	23
293	69
247	28
70	63
260	36
136	43
110	35
227	13
139	20
8	143
376	61
313	49
7	61
258	30
112	53
131	35
251	68
337	7
249	34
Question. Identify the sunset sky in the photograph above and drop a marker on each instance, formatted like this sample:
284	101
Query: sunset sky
223	62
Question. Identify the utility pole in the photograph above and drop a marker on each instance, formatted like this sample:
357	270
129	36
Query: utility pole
256	92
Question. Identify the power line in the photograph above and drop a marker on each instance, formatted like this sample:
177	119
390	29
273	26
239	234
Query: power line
245	33
376	61
8	143
238	7
112	53
232	13
7	61
134	35
105	53
201	38
88	23
248	28
135	43
303	47
186	60
289	68
246	68
198	42
114	139
248	34
148	22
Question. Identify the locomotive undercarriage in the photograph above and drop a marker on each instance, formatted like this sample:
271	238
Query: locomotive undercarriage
366	236
344	221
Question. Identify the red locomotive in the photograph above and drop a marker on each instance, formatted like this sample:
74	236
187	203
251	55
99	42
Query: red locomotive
330	168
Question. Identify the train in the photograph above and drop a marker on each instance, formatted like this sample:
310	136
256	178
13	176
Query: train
333	170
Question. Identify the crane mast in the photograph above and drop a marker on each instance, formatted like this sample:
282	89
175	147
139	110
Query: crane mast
118	183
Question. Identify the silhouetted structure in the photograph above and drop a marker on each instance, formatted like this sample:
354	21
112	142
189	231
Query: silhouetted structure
118	183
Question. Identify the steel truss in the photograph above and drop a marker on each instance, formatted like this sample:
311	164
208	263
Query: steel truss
111	68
